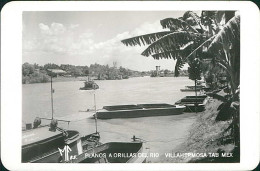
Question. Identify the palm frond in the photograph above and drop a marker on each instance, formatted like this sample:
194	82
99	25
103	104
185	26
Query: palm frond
191	18
175	24
230	33
168	54
179	64
172	41
201	45
144	39
174	54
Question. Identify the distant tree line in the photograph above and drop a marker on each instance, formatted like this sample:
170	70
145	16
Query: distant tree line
34	73
168	73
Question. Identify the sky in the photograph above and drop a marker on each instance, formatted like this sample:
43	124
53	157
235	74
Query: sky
84	38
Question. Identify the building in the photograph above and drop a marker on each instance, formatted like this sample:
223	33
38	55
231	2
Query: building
57	72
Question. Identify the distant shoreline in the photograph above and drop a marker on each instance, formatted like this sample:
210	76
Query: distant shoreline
82	78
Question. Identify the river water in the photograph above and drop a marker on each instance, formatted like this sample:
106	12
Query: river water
162	133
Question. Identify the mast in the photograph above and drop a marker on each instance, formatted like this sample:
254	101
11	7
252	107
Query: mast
51	99
95	111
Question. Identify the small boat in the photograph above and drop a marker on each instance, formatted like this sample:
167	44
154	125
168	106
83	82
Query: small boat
46	144
114	152
89	85
139	110
193	103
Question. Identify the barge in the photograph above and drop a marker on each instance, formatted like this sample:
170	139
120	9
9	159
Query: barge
193	103
139	110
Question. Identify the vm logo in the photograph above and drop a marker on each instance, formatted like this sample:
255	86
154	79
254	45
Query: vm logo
66	150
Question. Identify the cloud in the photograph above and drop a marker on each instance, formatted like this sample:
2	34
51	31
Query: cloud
79	47
44	29
147	28
54	29
113	50
60	39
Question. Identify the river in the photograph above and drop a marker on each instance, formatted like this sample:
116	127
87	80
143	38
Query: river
162	133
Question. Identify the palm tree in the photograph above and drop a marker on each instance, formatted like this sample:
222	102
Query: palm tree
189	37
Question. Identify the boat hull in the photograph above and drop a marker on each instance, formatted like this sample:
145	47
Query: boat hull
42	146
193	103
114	152
105	114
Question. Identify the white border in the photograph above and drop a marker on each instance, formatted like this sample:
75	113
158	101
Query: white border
11	60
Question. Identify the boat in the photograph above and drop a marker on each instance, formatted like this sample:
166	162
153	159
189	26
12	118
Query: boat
193	103
89	85
51	144
115	152
46	143
139	110
192	88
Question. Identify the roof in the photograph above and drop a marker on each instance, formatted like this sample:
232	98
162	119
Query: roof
38	134
57	71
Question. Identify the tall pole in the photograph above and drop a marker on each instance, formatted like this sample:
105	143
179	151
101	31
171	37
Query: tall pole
95	110
196	95
51	99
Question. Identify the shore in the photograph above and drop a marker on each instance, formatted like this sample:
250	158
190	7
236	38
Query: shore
207	142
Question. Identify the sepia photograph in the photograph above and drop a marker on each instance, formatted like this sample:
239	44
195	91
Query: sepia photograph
131	87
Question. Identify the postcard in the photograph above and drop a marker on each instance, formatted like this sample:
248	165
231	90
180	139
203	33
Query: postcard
121	85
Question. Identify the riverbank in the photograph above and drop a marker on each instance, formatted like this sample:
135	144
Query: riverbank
207	142
62	79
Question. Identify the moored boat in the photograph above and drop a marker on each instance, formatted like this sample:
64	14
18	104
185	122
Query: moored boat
193	103
46	144
114	152
51	144
139	110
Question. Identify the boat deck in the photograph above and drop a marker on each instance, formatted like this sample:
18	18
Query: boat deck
139	110
39	134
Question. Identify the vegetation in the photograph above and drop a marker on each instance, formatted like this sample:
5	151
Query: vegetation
195	71
208	136
211	40
33	73
192	37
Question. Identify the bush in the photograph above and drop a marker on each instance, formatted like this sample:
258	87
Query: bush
35	78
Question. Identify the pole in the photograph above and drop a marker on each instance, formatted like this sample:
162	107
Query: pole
95	111
51	99
196	95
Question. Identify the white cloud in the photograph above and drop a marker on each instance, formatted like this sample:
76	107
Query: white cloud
57	38
147	28
54	29
82	50
44	29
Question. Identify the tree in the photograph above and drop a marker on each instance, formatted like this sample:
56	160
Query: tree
190	36
51	66
214	35
166	72
27	69
195	71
